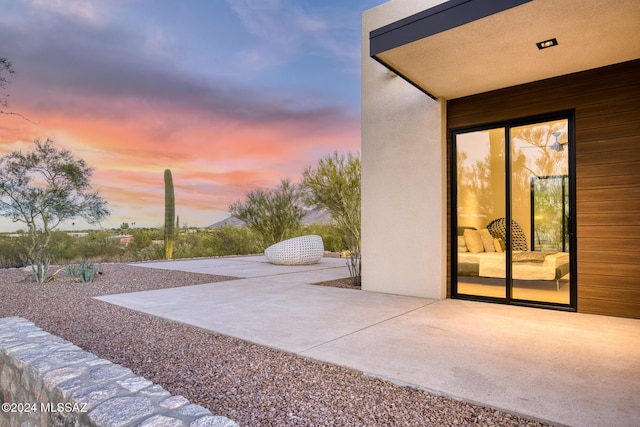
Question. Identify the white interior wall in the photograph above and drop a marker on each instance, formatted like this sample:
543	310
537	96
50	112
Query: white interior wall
403	174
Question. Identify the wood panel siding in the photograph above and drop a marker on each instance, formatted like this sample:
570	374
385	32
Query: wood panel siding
606	102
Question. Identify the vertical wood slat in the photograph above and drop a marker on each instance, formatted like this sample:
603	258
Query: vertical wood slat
607	111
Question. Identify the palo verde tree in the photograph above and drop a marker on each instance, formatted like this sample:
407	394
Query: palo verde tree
334	184
169	215
274	215
42	188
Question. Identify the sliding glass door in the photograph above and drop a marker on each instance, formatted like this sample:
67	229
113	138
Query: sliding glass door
512	206
481	197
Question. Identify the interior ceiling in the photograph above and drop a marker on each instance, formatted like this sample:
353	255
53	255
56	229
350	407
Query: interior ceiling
500	50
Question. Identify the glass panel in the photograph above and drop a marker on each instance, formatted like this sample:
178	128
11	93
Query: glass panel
540	211
549	219
480	200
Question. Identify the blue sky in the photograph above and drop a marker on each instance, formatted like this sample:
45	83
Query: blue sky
229	94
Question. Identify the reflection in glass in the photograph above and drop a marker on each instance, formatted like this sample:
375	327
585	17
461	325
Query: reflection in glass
540	195
550	213
529	258
481	198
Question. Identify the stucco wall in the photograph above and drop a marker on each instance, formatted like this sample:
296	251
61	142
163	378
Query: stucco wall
403	174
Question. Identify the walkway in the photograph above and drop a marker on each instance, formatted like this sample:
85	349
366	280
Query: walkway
566	368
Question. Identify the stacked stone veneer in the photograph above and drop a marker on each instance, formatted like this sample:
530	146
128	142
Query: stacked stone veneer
47	381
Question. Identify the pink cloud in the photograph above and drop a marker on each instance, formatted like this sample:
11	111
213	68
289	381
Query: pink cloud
215	160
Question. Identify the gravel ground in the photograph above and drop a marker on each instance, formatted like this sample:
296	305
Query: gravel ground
254	385
340	283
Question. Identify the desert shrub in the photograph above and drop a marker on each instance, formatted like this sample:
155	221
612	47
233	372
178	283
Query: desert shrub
104	246
237	241
99	245
334	184
273	214
85	272
62	247
142	238
331	235
143	247
188	245
13	251
220	241
152	253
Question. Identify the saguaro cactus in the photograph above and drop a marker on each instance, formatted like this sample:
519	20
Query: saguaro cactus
169	215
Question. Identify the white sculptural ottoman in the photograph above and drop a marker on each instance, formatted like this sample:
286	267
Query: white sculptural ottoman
297	251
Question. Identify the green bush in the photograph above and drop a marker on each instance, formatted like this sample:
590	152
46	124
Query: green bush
147	245
13	251
221	241
62	247
143	247
274	214
233	240
331	236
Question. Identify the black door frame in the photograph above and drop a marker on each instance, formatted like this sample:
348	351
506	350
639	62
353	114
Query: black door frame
569	115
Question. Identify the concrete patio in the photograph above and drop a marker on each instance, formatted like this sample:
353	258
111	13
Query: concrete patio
564	368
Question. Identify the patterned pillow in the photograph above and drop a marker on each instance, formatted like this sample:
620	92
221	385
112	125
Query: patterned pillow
498	230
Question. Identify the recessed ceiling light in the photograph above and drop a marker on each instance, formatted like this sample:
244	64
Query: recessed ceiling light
547	43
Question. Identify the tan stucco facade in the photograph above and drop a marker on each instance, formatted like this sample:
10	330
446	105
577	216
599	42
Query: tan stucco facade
404	219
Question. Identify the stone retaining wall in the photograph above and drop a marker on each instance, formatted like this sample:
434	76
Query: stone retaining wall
47	381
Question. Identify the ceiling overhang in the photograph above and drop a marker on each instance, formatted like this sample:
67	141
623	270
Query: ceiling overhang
464	47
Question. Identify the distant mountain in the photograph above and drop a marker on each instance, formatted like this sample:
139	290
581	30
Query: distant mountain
311	216
232	220
316	216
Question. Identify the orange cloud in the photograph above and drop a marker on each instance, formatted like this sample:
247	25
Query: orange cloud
132	108
215	160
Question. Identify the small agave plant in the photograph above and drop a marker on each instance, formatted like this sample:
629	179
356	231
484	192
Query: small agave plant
41	270
84	271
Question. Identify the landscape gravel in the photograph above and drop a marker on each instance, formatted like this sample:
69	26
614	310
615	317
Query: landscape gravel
251	384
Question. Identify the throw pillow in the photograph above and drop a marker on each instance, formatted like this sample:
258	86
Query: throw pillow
487	240
462	245
499	245
474	241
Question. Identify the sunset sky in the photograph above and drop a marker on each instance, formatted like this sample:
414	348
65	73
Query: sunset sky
229	94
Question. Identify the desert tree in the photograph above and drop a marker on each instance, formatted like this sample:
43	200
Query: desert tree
43	188
274	215
334	185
